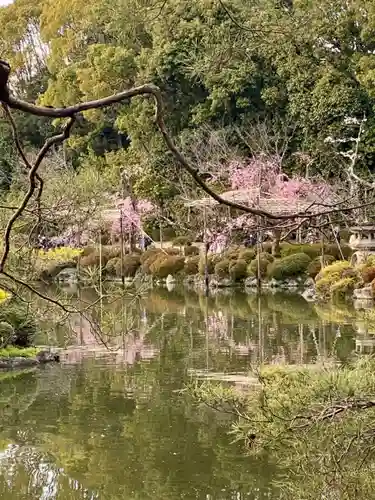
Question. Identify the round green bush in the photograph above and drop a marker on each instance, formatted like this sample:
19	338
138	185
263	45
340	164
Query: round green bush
182	241
192	250
111	266
222	268
237	270
166	265
95	258
314	250
252	268
130	265
314	268
191	266
211	261
247	255
149	257
171	251
289	267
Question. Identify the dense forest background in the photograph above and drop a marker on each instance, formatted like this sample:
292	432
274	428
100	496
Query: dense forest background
239	78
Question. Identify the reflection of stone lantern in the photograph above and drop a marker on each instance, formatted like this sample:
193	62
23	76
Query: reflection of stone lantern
362	242
365	338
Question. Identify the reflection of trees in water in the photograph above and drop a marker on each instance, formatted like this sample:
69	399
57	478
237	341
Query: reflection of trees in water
275	328
25	470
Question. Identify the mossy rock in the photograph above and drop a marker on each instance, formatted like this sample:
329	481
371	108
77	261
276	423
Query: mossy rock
53	269
222	268
289	267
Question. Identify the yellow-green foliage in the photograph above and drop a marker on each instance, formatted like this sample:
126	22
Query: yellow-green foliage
222	268
329	280
342	287
288	267
165	265
4	295
59	255
15	352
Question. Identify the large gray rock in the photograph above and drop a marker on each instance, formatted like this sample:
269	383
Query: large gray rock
67	275
309	294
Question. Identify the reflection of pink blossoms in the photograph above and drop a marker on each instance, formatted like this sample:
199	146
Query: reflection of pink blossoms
131	214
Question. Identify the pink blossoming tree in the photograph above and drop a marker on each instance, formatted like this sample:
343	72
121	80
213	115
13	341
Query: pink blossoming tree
261	182
129	219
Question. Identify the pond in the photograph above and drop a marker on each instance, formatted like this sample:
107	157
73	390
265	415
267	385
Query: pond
118	424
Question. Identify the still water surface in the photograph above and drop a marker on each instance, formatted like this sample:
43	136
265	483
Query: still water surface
119	427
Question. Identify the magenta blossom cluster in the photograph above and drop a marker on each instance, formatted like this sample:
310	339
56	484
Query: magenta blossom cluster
130	214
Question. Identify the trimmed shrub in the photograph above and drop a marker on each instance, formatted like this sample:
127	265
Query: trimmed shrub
87	251
149	253
237	270
191	250
289	267
314	267
166	265
171	251
211	261
314	250
182	241
149	257
231	254
130	265
368	274
93	258
112	265
191	266
222	268
252	268
247	255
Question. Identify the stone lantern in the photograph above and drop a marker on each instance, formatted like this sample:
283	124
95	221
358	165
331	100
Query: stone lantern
362	242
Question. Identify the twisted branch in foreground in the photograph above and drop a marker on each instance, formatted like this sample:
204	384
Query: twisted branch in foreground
154	91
